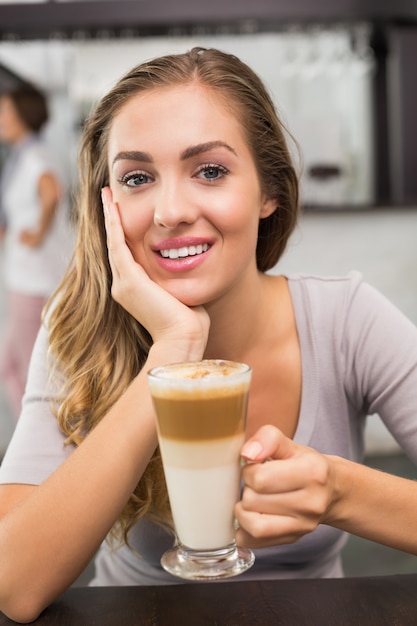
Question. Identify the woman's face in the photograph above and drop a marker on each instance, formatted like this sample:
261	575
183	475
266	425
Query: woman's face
187	190
12	129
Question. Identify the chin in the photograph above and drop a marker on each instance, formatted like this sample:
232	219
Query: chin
189	298
191	293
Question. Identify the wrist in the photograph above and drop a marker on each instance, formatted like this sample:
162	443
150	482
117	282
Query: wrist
162	353
341	479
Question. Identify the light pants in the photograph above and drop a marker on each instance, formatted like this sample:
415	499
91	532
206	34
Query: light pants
23	318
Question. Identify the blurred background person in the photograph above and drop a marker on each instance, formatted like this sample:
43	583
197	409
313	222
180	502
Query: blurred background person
35	231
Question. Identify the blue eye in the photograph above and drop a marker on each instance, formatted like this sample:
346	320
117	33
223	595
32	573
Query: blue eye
135	179
212	172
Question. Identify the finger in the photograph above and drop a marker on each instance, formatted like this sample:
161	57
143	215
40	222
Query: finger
305	502
268	443
114	230
276	476
120	257
289	521
106	198
259	530
305	469
282	503
247	540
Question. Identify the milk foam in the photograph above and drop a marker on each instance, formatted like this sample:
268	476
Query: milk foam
213	373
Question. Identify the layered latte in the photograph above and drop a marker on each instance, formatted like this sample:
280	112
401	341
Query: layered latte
201	414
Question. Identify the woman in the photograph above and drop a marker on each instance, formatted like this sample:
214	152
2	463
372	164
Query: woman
199	198
33	227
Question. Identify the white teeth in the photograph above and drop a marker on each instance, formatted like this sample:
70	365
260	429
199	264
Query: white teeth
176	253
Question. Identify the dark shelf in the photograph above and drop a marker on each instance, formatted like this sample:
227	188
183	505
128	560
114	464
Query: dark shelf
119	17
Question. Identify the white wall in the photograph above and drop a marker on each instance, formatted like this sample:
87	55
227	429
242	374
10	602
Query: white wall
320	82
382	245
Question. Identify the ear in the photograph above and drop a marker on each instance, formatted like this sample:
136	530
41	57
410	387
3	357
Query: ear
269	205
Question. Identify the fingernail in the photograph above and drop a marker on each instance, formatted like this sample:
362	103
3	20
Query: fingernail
251	450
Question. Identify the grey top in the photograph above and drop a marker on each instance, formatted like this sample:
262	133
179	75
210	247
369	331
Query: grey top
359	357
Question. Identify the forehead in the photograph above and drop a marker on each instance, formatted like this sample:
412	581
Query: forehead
8	109
6	101
187	109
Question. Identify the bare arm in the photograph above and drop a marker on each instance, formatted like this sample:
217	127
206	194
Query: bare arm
49	533
299	488
49	192
48	537
374	505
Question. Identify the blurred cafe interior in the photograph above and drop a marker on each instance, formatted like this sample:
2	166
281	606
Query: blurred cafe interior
342	74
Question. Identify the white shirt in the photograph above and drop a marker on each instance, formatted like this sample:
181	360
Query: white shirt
33	271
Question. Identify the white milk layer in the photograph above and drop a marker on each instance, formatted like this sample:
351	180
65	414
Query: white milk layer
203	481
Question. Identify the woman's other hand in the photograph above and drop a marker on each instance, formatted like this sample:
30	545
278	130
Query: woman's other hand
288	490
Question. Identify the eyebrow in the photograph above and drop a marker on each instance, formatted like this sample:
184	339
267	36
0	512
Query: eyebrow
188	153
133	155
205	147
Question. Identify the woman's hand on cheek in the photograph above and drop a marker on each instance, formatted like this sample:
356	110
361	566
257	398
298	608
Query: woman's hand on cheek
164	317
288	489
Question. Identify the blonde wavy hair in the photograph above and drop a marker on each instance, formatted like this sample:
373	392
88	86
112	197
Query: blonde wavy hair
96	345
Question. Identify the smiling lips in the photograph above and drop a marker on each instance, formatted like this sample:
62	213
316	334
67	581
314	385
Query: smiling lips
184	251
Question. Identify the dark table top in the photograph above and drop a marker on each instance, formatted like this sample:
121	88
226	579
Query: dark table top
375	601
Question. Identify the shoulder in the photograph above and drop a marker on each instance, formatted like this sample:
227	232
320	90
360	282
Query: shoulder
38	157
326	292
348	306
316	282
343	304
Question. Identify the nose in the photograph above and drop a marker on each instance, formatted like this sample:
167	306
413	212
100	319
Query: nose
173	206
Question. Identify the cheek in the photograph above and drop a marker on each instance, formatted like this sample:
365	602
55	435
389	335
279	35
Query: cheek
135	226
241	220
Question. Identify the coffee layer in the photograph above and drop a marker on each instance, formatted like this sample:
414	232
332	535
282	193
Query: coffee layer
188	418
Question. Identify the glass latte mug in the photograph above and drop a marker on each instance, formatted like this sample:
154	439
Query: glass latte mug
201	412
